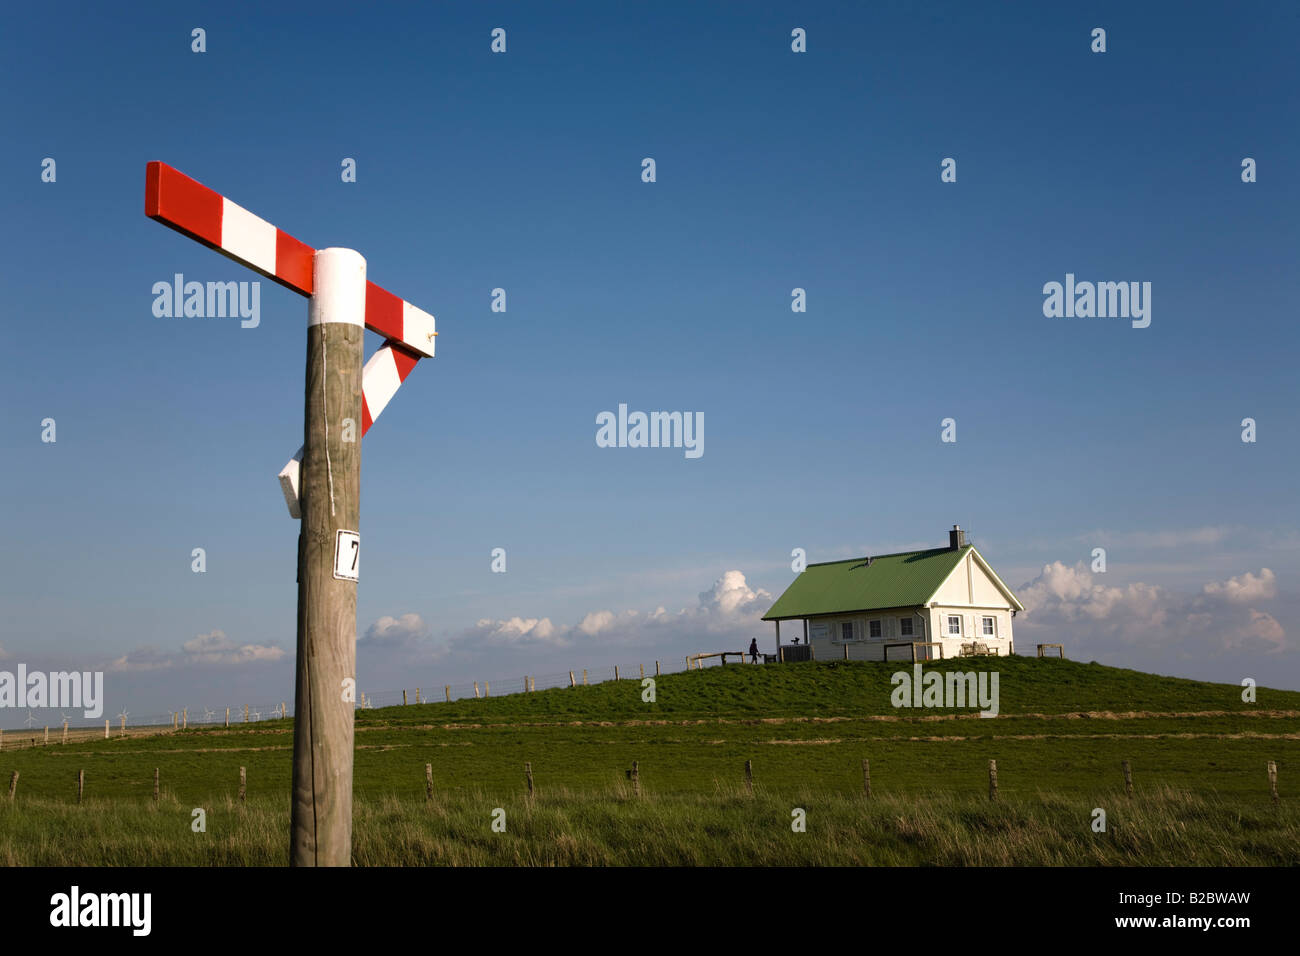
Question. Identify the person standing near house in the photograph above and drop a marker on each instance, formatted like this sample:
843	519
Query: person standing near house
753	650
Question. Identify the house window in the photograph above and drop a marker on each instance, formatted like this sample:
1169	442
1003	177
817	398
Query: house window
905	627
846	631
954	625
875	630
988	627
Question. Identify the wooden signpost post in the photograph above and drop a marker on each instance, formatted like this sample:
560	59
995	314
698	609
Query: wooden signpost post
322	482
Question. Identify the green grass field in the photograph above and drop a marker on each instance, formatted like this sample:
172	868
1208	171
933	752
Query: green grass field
1197	751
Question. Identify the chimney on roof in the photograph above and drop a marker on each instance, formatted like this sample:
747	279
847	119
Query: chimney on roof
956	538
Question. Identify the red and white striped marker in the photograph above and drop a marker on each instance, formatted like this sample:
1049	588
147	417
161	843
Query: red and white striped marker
381	376
206	216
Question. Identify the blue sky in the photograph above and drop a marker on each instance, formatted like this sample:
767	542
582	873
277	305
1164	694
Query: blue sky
775	170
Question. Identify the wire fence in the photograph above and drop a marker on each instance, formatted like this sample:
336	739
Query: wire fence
41	729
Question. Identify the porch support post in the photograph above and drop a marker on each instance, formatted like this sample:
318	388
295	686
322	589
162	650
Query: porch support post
778	637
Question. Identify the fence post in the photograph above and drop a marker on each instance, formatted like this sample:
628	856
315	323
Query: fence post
81	784
2	740
417	695
476	690
13	784
403	696
487	688
656	668
65	731
227	718
572	682
636	778
245	713
243	783
749	777
106	730
155	784
428	782
185	719
1128	779
615	672
1272	780
866	777
528	774
525	683
448	690
642	666
46	742
584	677
993	779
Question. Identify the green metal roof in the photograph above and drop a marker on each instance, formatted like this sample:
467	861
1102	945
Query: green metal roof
891	580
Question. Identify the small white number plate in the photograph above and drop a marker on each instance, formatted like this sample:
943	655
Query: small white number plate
347	549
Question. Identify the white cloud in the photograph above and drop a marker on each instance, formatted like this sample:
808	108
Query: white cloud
143	658
397	630
216	648
1071	602
1261	632
1072	593
212	648
1245	588
515	632
595	622
731	597
729	607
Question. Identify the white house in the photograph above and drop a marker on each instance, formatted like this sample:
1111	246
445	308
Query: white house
948	599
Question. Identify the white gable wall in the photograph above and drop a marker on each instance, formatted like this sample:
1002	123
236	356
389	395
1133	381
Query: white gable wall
972	628
970	593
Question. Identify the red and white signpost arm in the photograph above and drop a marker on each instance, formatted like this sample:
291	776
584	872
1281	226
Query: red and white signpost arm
206	216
